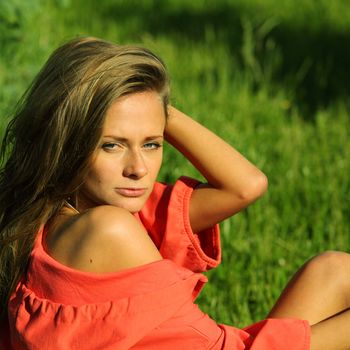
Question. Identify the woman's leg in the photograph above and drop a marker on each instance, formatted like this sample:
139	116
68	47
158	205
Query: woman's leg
320	293
332	334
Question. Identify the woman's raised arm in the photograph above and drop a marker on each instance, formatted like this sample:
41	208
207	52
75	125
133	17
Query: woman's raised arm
233	181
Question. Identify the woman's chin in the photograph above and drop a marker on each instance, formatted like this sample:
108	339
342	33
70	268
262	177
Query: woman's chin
132	205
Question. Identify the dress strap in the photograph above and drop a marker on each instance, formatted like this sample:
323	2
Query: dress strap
71	207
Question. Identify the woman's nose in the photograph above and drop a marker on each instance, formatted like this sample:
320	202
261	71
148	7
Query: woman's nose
135	166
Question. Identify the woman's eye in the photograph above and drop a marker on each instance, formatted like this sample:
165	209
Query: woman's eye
152	145
110	146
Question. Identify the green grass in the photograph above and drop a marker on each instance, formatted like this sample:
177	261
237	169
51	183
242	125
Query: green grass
270	79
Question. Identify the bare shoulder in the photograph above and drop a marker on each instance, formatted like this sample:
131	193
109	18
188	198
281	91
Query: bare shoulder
109	220
104	239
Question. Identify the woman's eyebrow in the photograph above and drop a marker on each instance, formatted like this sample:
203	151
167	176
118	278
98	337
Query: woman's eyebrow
124	139
154	137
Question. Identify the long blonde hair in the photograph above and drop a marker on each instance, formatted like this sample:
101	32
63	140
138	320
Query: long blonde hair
47	146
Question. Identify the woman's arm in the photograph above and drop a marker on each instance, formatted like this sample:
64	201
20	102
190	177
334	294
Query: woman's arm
233	182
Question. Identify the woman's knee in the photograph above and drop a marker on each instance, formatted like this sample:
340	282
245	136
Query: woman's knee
330	266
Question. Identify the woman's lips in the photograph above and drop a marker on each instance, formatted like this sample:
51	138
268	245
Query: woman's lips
131	192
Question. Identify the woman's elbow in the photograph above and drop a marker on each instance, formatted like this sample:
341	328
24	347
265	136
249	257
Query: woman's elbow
256	188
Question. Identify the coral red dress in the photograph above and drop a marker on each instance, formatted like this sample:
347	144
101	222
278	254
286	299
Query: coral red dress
147	307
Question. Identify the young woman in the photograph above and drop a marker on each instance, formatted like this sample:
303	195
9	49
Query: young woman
95	254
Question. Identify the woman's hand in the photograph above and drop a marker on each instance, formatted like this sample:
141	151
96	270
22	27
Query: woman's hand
233	182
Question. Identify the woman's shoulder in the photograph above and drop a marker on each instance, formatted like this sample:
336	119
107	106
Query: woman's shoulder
106	219
101	220
100	240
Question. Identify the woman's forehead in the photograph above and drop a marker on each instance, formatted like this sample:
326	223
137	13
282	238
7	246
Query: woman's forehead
143	112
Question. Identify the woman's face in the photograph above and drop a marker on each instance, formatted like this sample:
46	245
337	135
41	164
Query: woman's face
129	155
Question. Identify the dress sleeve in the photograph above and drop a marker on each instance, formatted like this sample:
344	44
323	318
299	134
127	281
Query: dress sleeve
166	218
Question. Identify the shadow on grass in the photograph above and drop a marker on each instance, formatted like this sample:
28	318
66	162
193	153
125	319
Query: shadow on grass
314	63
